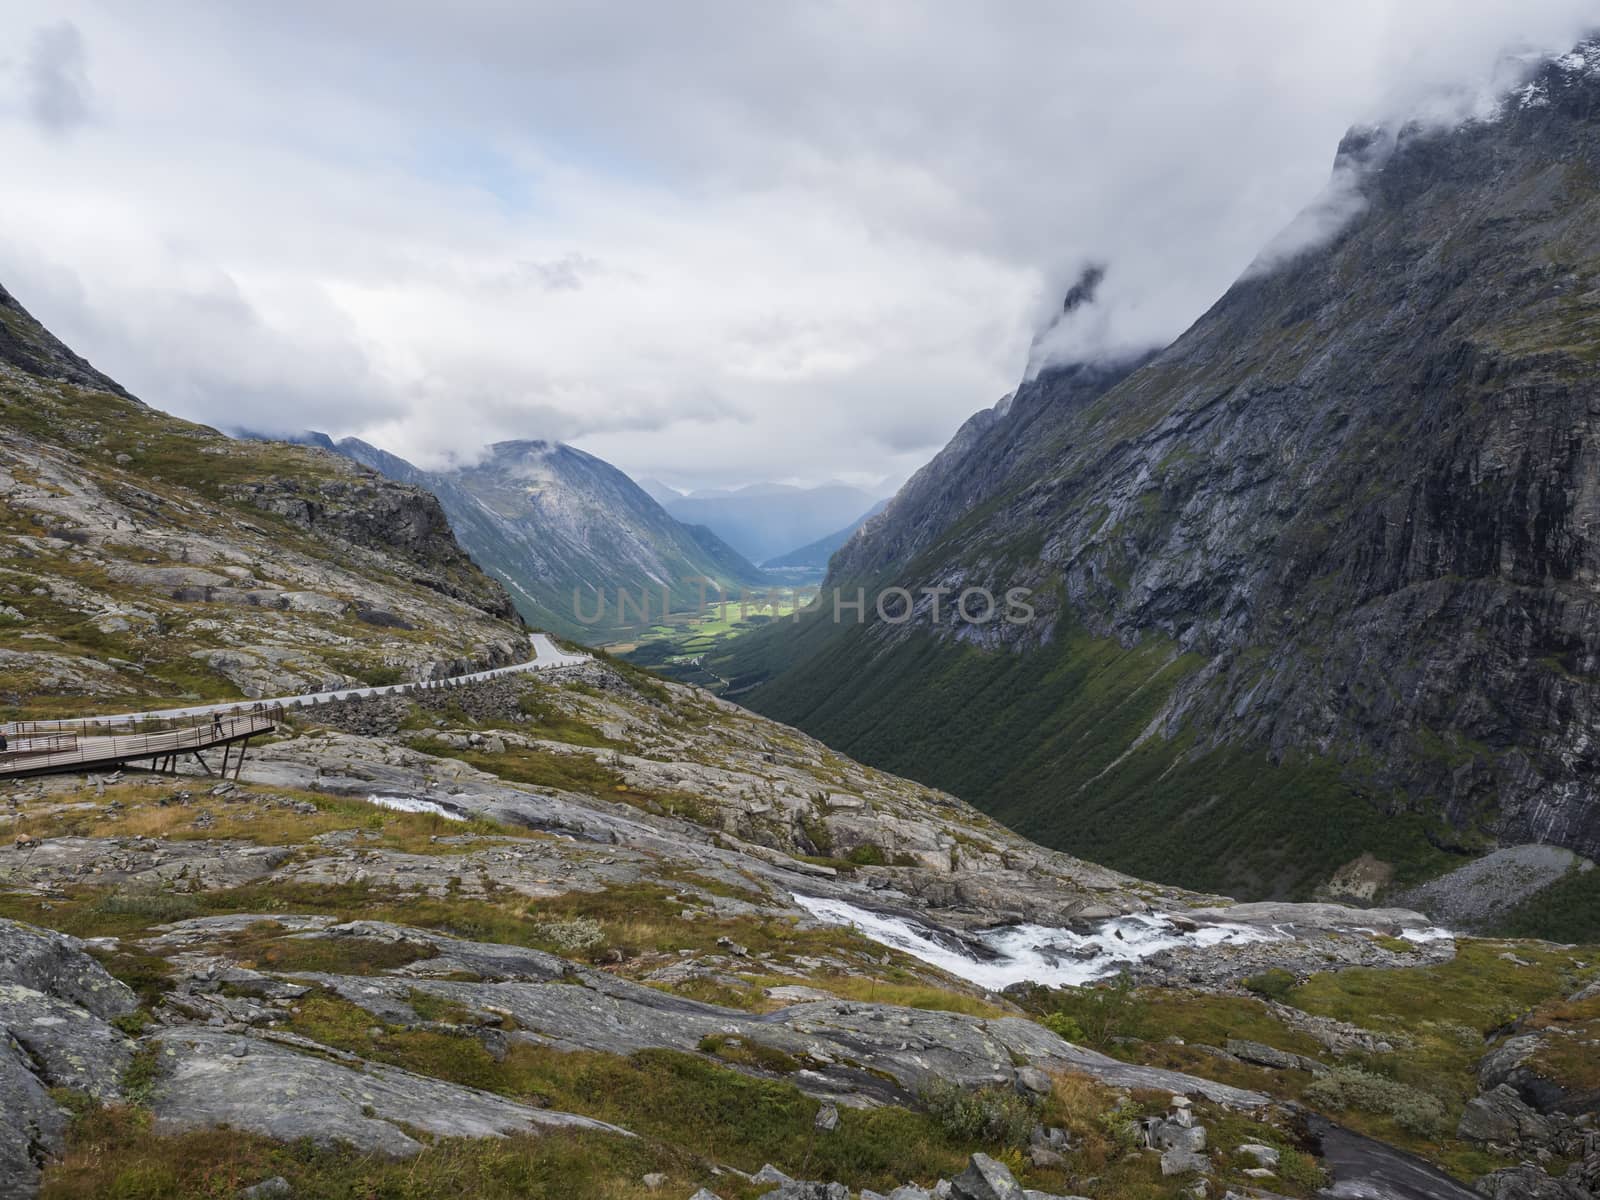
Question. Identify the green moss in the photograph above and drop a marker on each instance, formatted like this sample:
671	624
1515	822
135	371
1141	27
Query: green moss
1273	984
744	1051
267	947
113	1156
1443	1015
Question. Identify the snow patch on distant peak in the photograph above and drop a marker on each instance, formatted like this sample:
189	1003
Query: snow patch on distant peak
1580	63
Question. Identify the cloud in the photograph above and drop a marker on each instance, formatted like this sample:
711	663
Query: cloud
1361	153
56	75
716	242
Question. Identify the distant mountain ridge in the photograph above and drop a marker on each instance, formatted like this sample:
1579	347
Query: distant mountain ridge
549	520
768	520
815	555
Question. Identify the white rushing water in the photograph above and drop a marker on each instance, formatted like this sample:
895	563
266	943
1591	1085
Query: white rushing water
407	804
1041	953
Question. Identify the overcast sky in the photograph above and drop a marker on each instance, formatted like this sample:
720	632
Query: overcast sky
713	243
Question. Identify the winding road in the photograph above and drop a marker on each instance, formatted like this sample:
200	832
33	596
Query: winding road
546	656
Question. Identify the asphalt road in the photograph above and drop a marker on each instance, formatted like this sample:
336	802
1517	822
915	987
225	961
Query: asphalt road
546	656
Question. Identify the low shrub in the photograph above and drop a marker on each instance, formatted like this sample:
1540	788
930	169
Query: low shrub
990	1116
580	933
1413	1110
1274	984
1064	1027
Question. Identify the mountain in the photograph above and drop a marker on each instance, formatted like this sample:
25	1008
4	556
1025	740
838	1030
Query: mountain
660	492
148	559
1316	581
550	521
765	520
815	555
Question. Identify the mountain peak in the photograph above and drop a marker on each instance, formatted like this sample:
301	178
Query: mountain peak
28	346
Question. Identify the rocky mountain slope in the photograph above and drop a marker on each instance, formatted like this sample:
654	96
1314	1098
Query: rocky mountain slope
146	559
547	520
1317	579
596	936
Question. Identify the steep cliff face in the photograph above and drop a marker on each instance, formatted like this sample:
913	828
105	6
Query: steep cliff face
551	521
372	513
1337	541
146	560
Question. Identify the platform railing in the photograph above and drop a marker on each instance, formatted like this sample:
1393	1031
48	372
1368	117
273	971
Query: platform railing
85	749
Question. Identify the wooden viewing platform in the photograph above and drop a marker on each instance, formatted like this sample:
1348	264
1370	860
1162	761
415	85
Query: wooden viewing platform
52	747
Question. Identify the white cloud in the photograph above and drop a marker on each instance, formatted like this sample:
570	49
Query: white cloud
57	78
710	241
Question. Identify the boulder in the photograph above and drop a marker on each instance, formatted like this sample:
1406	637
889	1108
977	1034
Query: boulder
1265	1156
1178	1161
1500	1117
1032	1079
986	1179
1526	1182
1177	1135
797	1189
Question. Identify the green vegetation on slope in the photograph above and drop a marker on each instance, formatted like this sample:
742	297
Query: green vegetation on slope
1049	742
1566	911
1439	1020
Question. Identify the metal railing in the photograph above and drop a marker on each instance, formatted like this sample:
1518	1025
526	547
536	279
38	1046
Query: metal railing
92	749
84	726
39	743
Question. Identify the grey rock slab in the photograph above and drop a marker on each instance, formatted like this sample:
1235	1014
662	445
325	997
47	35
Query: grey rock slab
1269	1056
285	1095
565	1004
33	1126
69	1046
1271	914
200	865
488	960
198	930
58	966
